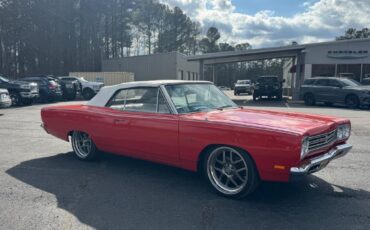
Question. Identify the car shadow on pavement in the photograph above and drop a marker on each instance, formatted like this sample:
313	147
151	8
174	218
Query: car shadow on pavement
123	193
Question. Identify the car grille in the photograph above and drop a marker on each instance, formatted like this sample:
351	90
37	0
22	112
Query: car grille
322	140
34	89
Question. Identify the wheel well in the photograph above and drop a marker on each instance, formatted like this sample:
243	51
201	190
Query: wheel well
213	146
350	94
70	133
308	93
87	89
14	91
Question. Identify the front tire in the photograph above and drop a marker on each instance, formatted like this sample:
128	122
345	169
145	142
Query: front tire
16	98
83	146
309	99
27	102
352	101
231	172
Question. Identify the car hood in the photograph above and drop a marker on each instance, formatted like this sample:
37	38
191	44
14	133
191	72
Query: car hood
363	87
295	123
96	83
19	82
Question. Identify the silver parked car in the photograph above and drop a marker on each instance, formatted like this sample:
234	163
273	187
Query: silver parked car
243	86
332	90
5	100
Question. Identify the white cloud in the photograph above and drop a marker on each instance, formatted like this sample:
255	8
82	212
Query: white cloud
323	20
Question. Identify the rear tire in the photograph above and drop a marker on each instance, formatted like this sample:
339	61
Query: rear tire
83	146
309	99
352	101
231	172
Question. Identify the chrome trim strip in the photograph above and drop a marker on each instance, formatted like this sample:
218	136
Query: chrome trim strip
321	161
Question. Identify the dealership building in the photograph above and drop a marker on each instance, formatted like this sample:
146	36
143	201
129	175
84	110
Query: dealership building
348	58
172	65
344	58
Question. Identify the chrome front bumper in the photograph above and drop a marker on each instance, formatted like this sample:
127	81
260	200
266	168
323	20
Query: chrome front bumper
320	162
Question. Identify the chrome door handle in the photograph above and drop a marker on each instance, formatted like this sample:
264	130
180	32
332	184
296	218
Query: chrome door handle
119	121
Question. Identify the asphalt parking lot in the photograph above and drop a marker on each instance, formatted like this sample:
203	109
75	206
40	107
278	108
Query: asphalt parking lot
43	186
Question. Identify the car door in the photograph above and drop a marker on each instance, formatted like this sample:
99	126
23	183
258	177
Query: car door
322	90
146	127
334	91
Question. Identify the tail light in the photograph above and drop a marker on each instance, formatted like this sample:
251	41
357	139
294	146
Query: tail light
52	85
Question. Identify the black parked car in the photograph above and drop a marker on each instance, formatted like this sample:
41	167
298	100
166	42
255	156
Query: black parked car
70	87
21	92
49	89
366	81
269	86
332	90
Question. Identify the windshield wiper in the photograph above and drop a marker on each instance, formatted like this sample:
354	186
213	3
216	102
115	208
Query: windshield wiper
223	107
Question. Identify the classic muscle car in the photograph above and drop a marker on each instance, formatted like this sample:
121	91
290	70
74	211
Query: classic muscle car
194	126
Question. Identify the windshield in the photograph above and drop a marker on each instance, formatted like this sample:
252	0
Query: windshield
190	98
346	74
243	82
82	79
4	79
350	82
267	80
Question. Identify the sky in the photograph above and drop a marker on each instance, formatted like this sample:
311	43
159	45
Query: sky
268	23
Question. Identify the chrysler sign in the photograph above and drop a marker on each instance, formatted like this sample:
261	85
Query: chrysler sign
348	54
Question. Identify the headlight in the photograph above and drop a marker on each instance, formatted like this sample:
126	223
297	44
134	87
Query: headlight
304	148
24	86
343	132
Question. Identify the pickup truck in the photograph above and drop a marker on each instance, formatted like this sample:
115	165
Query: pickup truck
21	92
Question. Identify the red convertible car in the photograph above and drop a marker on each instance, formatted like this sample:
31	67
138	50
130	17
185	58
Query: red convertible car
194	126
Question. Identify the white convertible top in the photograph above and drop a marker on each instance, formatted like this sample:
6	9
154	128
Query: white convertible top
105	93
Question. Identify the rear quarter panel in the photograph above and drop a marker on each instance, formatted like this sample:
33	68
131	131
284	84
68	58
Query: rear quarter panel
60	120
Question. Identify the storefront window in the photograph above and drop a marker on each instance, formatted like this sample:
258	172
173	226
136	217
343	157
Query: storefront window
351	71
366	71
323	70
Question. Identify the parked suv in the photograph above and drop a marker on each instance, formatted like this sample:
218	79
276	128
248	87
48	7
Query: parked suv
88	88
332	90
5	100
49	89
366	81
269	86
21	92
243	86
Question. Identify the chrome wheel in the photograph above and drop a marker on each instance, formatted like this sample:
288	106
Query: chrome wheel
82	144
227	170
